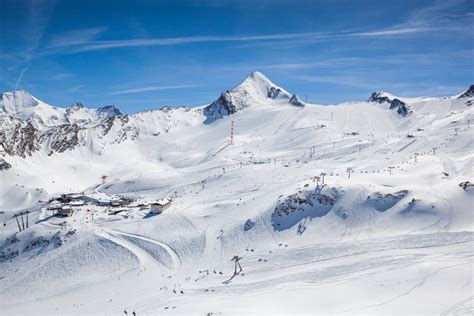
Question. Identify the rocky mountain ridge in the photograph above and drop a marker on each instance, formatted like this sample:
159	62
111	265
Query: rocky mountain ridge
28	125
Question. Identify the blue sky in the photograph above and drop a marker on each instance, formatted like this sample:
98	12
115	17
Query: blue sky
147	54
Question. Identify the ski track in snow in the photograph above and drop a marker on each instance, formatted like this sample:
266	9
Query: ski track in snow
175	258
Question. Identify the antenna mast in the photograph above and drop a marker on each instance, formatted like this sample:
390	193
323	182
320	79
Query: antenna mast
232	133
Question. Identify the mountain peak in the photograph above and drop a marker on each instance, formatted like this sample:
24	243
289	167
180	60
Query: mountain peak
255	89
109	110
16	101
257	75
78	105
258	85
15	94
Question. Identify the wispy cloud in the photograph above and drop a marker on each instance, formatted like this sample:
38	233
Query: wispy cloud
403	31
38	14
77	46
76	37
20	76
458	57
153	88
108	44
434	18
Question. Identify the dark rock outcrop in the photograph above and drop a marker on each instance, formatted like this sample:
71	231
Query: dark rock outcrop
468	93
64	137
4	165
304	204
221	107
108	111
379	97
296	101
17	137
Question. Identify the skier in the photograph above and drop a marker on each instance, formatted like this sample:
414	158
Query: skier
237	264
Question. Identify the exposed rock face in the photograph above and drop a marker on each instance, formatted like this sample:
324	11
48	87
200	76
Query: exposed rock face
380	97
248	225
76	106
108	111
296	101
304	204
274	92
120	128
382	202
28	125
20	138
64	137
468	94
4	165
401	107
17	137
223	106
466	185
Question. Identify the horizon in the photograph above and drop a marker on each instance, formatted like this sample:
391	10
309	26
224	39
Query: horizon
149	55
205	104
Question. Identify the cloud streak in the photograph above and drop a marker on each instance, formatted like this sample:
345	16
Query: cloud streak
78	45
435	18
84	46
38	14
76	37
153	88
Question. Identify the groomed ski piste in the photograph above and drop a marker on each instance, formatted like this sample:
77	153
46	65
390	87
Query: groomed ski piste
342	209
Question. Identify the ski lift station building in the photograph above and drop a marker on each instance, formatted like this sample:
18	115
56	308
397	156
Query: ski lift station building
159	206
77	203
65	211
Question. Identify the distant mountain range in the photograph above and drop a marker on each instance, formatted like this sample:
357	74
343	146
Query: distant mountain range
28	124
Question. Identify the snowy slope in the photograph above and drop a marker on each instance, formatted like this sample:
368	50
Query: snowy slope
397	235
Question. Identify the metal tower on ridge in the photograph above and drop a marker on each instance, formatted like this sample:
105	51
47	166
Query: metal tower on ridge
232	132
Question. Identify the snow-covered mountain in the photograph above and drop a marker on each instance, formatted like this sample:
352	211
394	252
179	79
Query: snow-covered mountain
255	90
22	105
370	198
